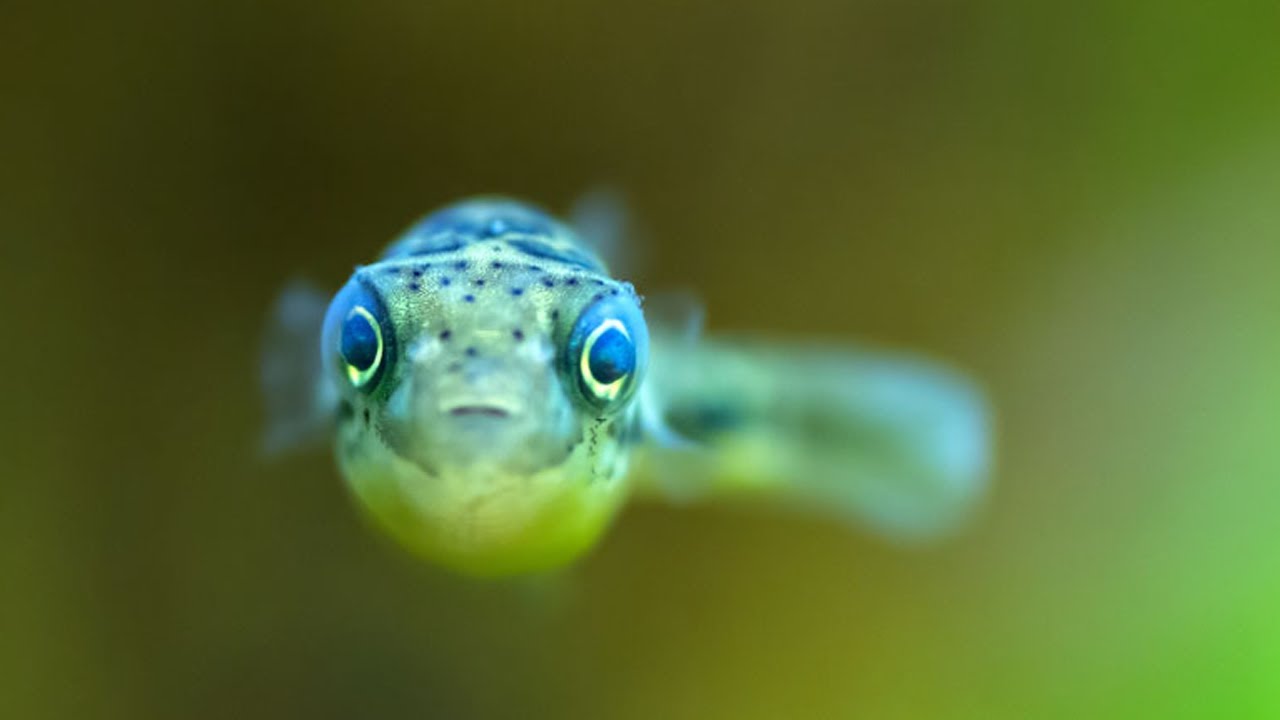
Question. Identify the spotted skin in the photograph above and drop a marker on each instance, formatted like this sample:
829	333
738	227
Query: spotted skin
498	398
476	447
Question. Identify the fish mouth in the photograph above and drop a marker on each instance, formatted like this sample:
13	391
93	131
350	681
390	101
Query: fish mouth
486	411
480	406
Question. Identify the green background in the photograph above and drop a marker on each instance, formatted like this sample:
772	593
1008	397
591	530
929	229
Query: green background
1079	204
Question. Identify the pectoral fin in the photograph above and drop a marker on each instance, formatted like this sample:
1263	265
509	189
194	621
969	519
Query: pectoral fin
298	404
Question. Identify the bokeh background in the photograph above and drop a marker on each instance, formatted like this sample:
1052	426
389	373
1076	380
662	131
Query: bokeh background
1079	204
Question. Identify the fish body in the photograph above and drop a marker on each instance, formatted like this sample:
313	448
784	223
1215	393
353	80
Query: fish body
498	396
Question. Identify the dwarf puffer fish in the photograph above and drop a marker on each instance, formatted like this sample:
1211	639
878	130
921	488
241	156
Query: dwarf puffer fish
497	396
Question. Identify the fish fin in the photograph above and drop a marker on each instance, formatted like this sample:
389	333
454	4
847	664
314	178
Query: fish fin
298	404
891	442
917	450
677	318
676	321
678	315
601	219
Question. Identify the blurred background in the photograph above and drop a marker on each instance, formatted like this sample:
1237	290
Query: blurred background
1079	205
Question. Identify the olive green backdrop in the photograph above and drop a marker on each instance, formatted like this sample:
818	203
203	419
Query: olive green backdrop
1078	204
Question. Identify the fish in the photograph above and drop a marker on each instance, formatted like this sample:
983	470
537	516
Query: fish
495	396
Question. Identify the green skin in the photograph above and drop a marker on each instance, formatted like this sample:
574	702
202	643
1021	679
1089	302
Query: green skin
483	493
481	447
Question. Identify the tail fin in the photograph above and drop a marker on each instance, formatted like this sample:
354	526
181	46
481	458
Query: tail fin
299	405
888	441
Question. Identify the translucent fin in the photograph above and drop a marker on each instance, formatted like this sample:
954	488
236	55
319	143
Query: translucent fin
892	442
299	405
677	314
917	448
678	318
600	218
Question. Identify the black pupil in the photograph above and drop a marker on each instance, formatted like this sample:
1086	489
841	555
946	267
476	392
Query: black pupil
612	356
359	342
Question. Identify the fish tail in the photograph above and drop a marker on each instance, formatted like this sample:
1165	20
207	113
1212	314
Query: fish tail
893	442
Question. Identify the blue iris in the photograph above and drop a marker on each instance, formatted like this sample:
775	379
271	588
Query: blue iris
611	357
359	345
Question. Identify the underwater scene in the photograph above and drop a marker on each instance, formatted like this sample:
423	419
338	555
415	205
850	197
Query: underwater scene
670	360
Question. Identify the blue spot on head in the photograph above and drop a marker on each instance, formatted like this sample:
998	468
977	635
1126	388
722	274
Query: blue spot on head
495	228
468	221
612	356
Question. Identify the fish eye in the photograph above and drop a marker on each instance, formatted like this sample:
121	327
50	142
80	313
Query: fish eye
608	357
360	339
361	345
607	349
